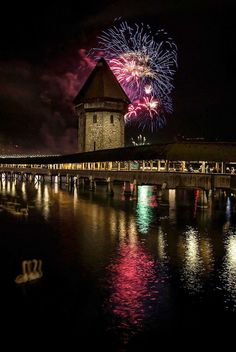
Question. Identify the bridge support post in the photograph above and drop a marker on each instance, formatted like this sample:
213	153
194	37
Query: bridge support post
219	193
164	197
167	165
159	195
135	188
222	169
82	182
91	183
59	179
77	180
71	181
110	186
202	199
127	189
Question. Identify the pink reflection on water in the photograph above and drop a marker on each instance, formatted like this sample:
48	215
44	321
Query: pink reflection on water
133	284
195	203
153	201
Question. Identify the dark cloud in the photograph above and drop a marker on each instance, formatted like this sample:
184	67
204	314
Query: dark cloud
36	104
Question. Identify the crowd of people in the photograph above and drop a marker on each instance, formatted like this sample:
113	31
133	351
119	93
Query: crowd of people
209	169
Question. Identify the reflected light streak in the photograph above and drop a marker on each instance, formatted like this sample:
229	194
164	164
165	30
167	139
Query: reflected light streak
46	202
229	271
39	195
13	189
56	187
132	232
75	198
193	265
23	188
228	208
195	203
122	227
3	186
133	285
226	225
146	203
113	224
162	244
172	204
207	255
172	197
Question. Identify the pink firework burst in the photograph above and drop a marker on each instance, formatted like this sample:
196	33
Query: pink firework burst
151	104
132	112
132	68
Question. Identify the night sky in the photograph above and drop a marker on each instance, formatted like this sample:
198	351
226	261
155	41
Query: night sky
43	64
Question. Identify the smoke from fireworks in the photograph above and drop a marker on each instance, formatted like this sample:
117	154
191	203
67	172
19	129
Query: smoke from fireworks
144	64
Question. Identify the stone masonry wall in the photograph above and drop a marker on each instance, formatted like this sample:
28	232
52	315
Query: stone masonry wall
104	134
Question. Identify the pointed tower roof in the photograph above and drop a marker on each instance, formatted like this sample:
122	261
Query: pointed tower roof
101	84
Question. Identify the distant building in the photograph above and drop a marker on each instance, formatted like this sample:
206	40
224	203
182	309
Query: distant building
100	106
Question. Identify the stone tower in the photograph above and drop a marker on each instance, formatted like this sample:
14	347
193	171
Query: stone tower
100	107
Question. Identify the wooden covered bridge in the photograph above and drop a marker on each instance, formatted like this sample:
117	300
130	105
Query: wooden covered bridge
205	166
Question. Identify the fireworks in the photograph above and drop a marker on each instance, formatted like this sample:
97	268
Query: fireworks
132	111
141	140
144	64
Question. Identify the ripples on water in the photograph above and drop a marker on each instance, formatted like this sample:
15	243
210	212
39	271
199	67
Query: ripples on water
197	258
144	264
228	271
133	285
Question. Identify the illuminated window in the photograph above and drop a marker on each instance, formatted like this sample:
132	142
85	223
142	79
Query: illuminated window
94	118
111	119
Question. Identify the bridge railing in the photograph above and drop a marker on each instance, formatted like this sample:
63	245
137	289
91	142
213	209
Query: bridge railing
145	165
168	178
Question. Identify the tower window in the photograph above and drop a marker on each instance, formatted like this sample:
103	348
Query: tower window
95	119
112	119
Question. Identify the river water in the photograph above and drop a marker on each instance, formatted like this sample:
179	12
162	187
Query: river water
119	273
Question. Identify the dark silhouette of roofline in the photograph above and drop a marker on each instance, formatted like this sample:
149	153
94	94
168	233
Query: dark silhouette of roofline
80	99
174	151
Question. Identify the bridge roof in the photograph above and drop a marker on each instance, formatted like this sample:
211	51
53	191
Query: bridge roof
170	151
101	84
187	151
